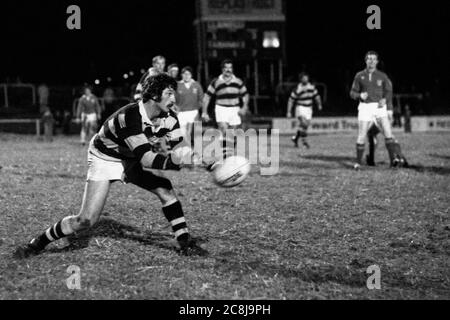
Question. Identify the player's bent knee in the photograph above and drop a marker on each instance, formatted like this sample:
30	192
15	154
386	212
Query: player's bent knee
167	196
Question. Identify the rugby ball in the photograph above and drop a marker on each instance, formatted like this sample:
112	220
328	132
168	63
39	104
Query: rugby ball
231	172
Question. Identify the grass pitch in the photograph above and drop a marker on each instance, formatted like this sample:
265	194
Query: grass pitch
310	232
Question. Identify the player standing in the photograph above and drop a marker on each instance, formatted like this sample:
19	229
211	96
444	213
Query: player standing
400	159
122	151
189	99
372	88
88	113
303	97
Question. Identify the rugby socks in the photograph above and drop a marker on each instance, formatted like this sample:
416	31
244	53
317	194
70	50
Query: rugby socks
174	214
53	233
228	147
359	153
390	146
372	146
398	149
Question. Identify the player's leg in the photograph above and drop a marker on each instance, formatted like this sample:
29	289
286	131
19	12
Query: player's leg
363	128
389	139
372	139
171	206
83	129
95	194
298	134
93	126
304	123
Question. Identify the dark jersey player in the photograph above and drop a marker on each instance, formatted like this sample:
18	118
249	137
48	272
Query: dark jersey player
400	159
122	151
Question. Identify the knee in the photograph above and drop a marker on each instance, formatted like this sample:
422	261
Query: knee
166	196
79	223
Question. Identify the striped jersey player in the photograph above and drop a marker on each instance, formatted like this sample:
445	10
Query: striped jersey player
231	98
122	151
303	97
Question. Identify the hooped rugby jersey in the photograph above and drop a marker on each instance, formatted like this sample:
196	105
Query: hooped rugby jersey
129	133
304	95
228	93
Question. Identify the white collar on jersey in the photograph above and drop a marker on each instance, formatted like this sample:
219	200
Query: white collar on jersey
143	113
229	80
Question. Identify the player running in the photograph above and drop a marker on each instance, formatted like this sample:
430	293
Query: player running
88	113
372	88
303	97
122	151
231	98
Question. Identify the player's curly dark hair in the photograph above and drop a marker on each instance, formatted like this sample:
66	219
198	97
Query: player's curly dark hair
153	86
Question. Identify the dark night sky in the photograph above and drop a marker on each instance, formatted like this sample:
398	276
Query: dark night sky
328	38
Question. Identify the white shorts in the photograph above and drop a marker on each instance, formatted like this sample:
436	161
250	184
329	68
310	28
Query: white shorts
185	117
370	112
100	169
89	118
228	115
305	112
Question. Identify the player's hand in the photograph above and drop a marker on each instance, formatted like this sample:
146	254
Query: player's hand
289	115
363	96
243	111
319	107
382	103
205	117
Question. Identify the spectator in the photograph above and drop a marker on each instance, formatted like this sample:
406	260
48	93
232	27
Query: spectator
173	71
397	116
43	94
109	101
407	119
48	120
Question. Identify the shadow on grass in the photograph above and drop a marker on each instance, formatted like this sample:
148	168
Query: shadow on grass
341	161
440	156
29	176
110	228
443	171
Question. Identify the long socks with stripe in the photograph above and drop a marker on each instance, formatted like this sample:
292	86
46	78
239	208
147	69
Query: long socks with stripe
53	233
174	214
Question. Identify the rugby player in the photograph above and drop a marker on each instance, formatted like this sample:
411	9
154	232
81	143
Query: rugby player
158	65
400	159
189	99
303	97
88	113
372	88
231	98
122	151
